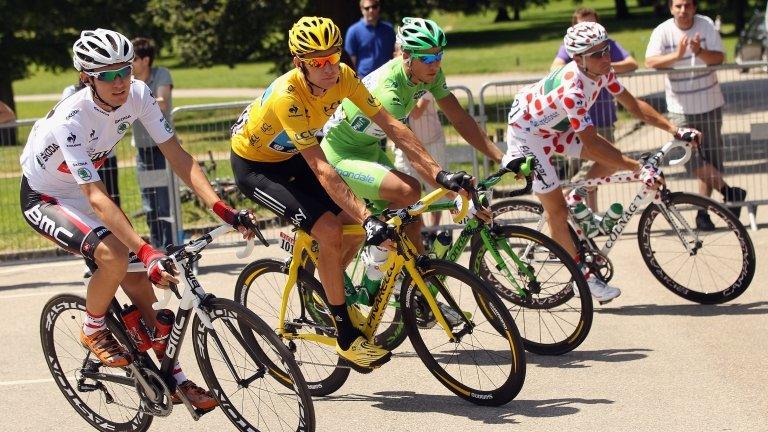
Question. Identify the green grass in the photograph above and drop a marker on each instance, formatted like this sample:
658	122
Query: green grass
475	45
37	109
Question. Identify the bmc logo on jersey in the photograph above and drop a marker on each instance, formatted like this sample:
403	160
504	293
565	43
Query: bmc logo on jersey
47	225
122	128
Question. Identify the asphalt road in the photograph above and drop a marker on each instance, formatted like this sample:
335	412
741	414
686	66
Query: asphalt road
651	362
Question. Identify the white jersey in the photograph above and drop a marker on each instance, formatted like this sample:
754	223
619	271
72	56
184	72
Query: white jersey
65	148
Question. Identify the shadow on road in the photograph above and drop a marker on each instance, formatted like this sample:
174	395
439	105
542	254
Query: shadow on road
408	401
755	308
580	359
39	284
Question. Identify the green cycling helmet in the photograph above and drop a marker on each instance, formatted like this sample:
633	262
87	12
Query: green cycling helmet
418	34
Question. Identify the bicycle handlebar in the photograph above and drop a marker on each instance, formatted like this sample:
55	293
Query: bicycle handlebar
197	245
672	144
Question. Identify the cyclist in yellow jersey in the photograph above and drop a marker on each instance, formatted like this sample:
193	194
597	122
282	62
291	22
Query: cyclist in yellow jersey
306	190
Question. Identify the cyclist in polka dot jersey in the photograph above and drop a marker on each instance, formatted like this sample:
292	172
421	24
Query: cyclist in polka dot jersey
552	117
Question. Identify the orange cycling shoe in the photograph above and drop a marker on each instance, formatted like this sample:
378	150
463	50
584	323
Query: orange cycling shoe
198	397
104	346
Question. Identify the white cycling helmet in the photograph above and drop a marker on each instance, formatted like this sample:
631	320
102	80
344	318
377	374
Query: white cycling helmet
581	37
100	47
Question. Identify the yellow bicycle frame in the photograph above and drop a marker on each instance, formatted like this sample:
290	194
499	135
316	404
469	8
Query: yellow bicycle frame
303	244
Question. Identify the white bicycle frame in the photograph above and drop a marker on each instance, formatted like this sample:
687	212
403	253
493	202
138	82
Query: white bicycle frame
643	197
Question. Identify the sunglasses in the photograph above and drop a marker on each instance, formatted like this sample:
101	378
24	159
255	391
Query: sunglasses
318	62
429	58
600	54
371	7
111	75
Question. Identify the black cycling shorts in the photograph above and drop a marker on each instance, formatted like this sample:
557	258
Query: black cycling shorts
289	189
67	222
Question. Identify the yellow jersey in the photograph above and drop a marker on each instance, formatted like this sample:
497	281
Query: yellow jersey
287	117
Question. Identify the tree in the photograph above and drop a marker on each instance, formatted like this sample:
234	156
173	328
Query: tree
41	33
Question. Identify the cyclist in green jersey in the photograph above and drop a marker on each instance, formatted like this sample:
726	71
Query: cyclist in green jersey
351	138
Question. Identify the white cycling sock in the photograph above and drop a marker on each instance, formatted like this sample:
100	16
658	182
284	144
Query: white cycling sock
178	374
94	323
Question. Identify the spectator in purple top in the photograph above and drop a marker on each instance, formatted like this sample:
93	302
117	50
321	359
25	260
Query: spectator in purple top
370	42
603	112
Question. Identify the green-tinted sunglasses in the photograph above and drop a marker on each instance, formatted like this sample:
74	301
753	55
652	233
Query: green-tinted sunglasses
111	75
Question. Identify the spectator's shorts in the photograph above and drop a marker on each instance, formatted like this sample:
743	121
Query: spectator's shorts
711	149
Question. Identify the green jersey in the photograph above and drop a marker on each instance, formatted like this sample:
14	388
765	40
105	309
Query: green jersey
350	127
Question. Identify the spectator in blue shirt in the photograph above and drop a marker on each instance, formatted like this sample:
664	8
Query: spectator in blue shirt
370	42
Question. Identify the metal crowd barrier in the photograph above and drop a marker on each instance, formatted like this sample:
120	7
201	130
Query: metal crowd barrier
204	132
744	129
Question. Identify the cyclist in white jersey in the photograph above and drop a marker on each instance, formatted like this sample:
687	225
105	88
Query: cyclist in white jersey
63	198
552	116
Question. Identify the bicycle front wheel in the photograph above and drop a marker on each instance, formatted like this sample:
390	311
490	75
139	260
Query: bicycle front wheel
483	360
706	267
104	404
248	376
544	290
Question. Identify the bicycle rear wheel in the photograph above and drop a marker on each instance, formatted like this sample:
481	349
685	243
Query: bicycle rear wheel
257	382
484	361
105	405
260	288
720	266
550	318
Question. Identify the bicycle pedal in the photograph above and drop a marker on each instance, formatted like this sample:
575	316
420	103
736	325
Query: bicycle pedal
201	412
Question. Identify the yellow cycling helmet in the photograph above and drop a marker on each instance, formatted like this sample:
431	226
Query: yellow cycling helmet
311	34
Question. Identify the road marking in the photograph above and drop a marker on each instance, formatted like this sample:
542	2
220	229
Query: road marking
42	293
23	382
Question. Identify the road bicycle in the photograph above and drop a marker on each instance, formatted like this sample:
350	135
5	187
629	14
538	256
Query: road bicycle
706	267
257	383
472	346
530	271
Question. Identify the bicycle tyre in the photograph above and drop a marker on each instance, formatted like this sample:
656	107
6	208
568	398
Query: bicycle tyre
724	221
259	287
551	319
64	344
300	415
501	355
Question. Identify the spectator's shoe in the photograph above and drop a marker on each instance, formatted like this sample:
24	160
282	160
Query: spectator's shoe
198	397
364	356
601	291
734	194
703	221
104	346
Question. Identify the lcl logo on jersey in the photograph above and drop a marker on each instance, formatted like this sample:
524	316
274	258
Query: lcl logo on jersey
329	109
267	128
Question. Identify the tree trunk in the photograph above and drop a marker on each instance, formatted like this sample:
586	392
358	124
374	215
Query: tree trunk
7	135
502	15
622	11
739	20
516	16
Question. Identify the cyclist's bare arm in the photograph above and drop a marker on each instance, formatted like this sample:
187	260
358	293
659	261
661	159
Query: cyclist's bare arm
468	128
113	217
642	111
600	150
334	184
162	96
419	108
405	140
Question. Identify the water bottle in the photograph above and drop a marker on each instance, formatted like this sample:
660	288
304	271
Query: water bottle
163	326
586	219
136	328
441	245
373	257
576	196
610	218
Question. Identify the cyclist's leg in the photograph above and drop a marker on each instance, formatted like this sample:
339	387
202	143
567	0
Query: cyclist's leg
71	225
